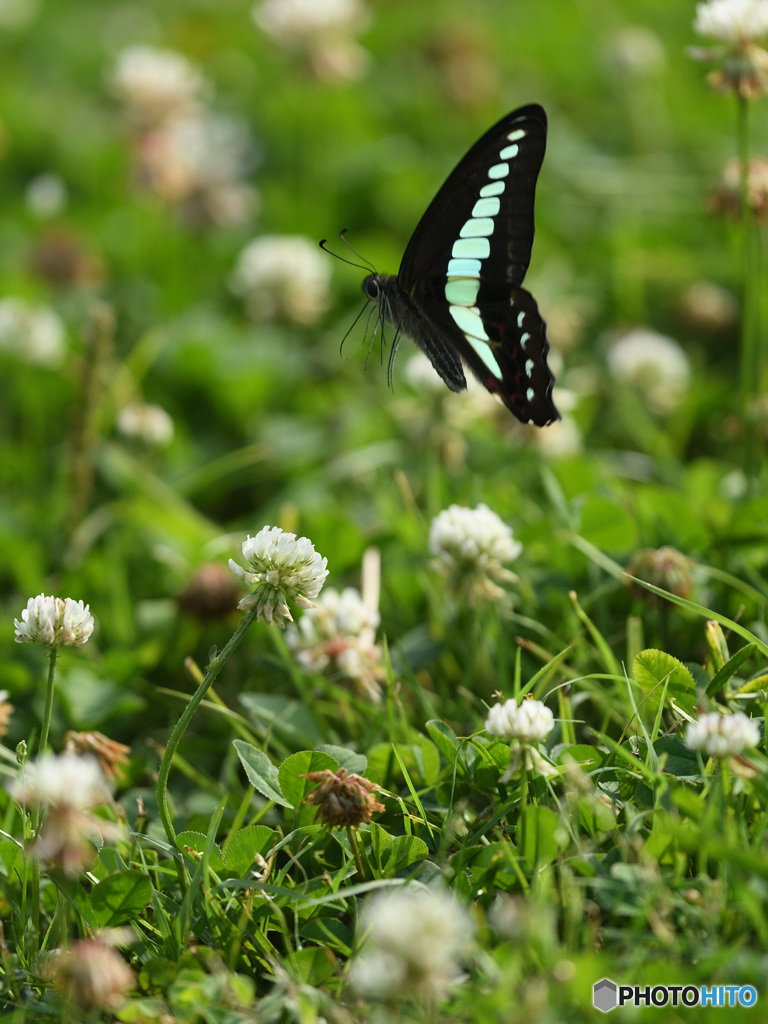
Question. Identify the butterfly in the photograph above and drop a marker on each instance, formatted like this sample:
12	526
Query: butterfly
458	294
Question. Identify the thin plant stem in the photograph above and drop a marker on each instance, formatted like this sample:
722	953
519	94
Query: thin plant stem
46	725
356	852
215	666
750	370
33	878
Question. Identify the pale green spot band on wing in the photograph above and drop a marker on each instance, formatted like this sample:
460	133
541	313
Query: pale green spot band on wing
474	248
509	152
462	291
477	226
464	268
498	170
493	188
468	321
516	135
486	207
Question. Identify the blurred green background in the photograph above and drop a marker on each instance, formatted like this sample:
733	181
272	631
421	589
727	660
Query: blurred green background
270	424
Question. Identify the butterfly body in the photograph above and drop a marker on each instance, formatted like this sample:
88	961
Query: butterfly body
458	294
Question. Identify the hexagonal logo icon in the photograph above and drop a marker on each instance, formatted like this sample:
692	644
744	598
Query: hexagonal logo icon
604	995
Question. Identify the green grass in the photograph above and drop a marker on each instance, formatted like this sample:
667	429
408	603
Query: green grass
640	860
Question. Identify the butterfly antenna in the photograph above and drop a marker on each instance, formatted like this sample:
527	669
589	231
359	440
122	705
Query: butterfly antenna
364	265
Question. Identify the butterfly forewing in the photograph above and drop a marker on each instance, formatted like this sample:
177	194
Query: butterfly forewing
464	265
483	174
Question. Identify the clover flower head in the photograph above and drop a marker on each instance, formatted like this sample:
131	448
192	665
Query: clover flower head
149	424
652	362
32	333
199	162
737	25
413	944
54	622
530	721
67	786
282	276
343	799
722	735
323	29
282	567
338	636
471	546
732	21
526	724
155	84
90	974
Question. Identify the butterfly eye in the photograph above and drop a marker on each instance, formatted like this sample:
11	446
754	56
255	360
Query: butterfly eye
371	288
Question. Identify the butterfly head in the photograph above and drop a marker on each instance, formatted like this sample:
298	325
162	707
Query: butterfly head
372	288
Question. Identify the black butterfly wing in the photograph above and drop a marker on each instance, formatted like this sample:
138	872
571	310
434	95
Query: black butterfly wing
467	259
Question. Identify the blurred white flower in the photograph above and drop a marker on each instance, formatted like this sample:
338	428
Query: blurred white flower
472	545
54	622
34	334
62	779
156	84
654	363
707	306
722	735
149	424
732	21
199	161
283	276
338	634
67	786
636	49
46	195
322	28
530	721
16	14
281	566
526	724
413	944
90	974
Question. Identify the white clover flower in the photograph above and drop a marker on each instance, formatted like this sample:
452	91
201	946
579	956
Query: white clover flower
322	28
722	735
471	545
282	276
46	195
54	622
655	364
66	778
90	974
732	21
200	161
155	84
15	14
282	566
413	944
338	635
530	721
67	786
637	50
147	423
34	334
525	724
